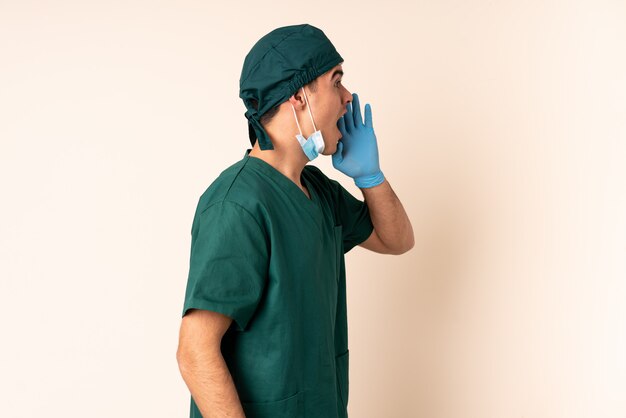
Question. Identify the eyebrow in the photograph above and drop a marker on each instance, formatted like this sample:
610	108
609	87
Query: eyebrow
335	73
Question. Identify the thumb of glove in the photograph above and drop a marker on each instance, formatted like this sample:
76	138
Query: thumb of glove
338	155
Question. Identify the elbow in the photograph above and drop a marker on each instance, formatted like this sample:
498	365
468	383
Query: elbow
189	358
409	248
187	363
182	359
404	248
186	357
411	243
399	250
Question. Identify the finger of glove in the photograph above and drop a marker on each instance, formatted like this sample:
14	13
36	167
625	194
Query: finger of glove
368	116
348	118
337	156
341	124
356	111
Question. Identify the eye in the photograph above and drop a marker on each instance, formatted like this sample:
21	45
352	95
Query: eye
337	83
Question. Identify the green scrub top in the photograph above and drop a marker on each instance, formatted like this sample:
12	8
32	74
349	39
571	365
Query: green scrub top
272	259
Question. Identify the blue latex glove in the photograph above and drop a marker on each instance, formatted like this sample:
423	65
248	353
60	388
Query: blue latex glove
357	151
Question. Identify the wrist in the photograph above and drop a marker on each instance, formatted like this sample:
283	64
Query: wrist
370	180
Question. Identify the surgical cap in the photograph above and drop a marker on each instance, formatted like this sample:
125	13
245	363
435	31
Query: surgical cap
279	64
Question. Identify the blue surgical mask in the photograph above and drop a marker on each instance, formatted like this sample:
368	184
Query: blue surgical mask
315	144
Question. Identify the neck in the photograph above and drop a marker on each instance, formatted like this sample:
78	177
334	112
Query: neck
289	161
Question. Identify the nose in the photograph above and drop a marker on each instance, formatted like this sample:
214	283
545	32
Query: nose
347	98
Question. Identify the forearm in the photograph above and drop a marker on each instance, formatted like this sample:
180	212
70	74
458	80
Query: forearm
211	385
390	220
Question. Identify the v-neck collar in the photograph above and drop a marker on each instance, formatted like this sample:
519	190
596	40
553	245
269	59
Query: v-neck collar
312	205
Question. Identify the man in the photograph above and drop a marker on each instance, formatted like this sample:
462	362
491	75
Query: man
264	329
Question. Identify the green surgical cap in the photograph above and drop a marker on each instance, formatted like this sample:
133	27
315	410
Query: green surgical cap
279	64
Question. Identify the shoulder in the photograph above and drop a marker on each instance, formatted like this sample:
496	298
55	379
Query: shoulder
236	194
228	214
218	189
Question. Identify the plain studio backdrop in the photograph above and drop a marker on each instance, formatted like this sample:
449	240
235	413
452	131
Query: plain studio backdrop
501	126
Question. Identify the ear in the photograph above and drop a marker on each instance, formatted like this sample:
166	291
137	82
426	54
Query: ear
297	100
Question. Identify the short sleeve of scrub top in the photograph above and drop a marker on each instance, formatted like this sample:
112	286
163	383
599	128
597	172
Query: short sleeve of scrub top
226	275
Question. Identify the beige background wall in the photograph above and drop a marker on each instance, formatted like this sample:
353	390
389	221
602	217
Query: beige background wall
501	126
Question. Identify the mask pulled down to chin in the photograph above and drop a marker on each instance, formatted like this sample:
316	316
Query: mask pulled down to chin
314	145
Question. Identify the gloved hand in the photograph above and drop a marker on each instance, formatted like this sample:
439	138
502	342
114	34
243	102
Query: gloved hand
357	151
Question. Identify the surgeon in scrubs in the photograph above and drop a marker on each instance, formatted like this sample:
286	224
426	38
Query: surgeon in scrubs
264	330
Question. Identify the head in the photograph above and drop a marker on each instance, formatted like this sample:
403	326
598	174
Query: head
327	97
282	70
